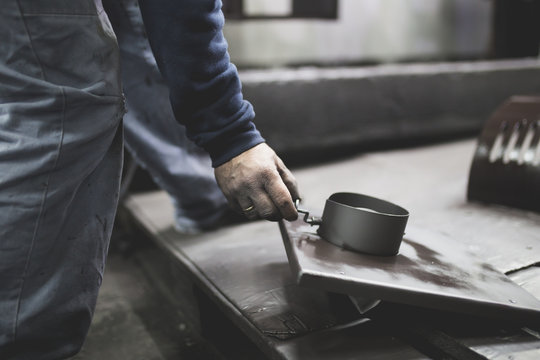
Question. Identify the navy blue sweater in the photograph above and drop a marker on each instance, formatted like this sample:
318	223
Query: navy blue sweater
206	96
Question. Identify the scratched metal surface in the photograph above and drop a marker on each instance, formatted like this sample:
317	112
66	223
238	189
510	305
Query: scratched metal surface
529	279
429	181
430	271
244	269
351	342
249	268
498	343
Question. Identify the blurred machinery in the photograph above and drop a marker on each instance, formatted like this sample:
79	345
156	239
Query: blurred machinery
289	9
506	165
516	28
270	33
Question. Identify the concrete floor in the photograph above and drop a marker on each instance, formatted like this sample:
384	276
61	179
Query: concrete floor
134	320
148	309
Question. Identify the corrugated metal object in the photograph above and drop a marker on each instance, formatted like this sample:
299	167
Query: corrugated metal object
506	166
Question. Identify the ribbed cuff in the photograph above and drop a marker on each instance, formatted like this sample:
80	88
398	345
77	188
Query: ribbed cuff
228	147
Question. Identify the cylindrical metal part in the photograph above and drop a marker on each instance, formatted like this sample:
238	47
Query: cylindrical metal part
363	223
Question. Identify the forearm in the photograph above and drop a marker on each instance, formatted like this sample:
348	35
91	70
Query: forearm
187	40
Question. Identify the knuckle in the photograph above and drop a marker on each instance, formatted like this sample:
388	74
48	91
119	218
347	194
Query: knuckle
267	213
241	187
284	203
237	185
247	183
268	174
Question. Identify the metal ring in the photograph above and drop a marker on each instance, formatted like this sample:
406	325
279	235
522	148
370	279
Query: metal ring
249	208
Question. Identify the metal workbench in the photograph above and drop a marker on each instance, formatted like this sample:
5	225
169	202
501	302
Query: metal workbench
244	270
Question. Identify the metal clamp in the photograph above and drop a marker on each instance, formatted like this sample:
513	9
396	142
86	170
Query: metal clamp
309	220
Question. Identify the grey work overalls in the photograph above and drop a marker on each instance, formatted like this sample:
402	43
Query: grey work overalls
60	161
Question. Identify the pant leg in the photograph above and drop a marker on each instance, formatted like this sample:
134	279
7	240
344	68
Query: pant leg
60	163
153	136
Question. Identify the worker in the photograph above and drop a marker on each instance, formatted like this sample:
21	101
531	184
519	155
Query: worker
61	109
153	137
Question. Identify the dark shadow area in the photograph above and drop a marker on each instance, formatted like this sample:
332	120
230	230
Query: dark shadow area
146	307
516	28
223	333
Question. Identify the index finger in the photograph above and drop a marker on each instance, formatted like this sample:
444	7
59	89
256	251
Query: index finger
281	197
288	179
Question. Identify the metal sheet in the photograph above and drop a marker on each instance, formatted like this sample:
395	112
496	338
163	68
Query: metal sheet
358	340
431	183
430	271
247	269
529	279
230	266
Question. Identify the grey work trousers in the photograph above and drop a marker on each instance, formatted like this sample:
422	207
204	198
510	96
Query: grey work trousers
60	161
152	134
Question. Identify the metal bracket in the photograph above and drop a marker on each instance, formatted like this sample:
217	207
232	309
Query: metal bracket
309	220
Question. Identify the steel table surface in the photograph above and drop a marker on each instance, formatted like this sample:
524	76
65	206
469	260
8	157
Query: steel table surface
244	267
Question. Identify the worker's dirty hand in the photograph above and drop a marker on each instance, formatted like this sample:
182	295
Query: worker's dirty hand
258	184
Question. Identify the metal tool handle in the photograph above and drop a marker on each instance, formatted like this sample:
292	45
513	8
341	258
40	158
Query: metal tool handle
309	220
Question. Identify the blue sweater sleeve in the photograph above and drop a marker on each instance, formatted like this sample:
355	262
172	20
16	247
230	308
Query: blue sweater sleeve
190	49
